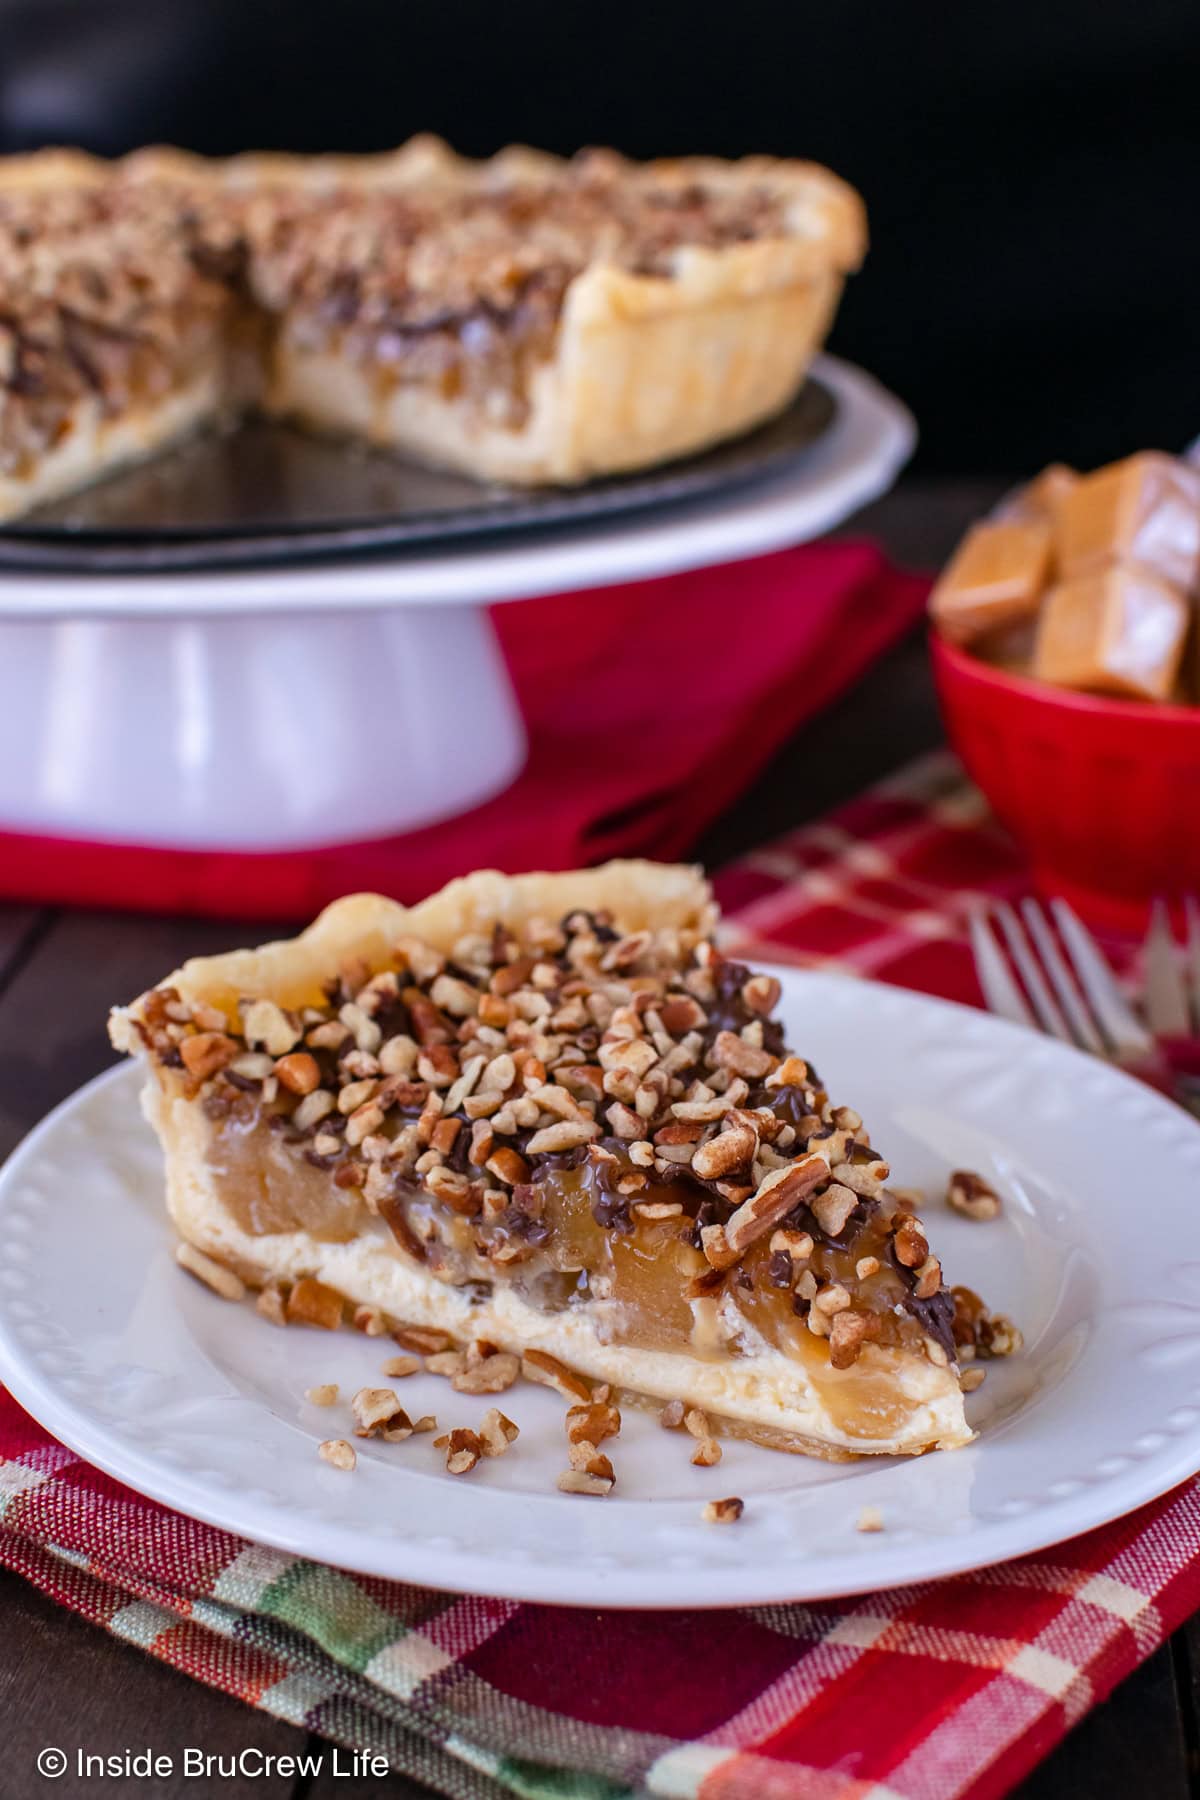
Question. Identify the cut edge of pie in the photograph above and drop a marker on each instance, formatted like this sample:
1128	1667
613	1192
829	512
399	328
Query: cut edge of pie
632	368
694	1299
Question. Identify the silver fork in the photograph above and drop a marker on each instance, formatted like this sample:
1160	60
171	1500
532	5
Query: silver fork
1173	974
1067	990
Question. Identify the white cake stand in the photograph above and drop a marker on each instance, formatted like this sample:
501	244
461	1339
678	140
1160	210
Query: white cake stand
283	708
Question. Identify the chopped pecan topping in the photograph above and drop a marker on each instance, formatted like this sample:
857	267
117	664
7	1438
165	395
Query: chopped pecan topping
848	1333
730	1051
213	1274
298	1072
970	1195
310	1302
581	1481
547	1371
463	1449
378	1413
910	1244
370	1321
832	1208
425	1340
583	1454
979	1332
1003	1338
206	1052
862	1178
731	1149
337	1451
592	1423
267	1027
494	1101
493	1375
780	1191
929	1278
496	1432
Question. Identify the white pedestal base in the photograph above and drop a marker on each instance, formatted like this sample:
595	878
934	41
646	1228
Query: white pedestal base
289	707
256	733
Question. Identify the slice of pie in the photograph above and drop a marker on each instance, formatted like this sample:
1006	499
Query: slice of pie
525	319
544	1112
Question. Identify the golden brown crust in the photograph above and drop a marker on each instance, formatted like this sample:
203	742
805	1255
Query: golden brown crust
292	971
53	168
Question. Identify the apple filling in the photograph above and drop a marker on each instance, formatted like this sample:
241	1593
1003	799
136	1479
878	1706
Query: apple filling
569	1238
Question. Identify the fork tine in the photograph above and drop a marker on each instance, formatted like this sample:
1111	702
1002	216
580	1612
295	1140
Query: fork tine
1046	1008
1117	1019
1166	998
1065	991
1191	913
1000	991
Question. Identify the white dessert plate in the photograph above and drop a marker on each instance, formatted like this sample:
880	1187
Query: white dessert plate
200	1403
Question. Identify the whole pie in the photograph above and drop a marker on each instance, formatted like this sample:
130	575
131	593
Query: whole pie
546	1114
525	319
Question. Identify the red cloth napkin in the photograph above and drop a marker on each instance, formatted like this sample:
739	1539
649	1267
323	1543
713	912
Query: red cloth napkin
649	707
942	1691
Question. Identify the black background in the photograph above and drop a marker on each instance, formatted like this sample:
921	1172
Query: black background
1032	172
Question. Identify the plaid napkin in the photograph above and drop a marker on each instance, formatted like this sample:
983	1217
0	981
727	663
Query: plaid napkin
925	1693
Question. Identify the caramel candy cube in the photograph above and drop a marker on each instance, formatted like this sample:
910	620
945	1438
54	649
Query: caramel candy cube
1010	648
1120	630
1145	510
995	578
1039	500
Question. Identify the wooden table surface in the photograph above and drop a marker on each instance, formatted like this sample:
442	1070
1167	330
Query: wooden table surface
64	1682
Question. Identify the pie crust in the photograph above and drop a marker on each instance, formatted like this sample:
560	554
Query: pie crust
721	1261
525	319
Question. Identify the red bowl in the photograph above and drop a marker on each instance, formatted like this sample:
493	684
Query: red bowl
1104	795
